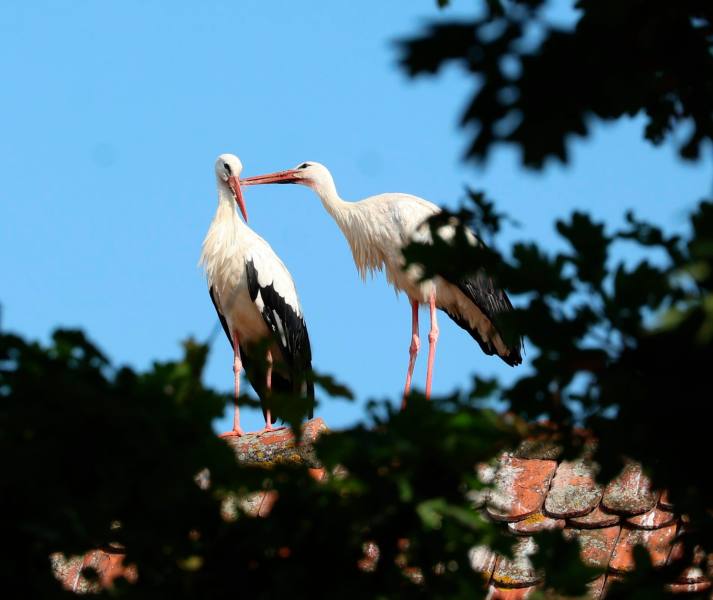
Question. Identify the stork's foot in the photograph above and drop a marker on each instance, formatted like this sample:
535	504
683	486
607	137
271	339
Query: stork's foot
269	429
234	433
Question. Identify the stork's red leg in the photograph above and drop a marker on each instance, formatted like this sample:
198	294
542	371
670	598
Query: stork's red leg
268	416
432	339
237	367
412	351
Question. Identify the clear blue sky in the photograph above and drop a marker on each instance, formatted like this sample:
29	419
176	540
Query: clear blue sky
112	115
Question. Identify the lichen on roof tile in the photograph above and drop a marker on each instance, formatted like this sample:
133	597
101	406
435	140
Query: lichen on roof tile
520	487
574	491
595	519
653	519
496	593
108	566
539	449
535	523
482	559
694	579
630	492
596	545
689	588
658	542
517	572
596	587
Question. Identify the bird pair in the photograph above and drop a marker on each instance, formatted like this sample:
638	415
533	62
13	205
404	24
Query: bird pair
257	302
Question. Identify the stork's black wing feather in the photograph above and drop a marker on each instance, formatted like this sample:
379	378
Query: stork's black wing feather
223	322
289	331
492	302
255	372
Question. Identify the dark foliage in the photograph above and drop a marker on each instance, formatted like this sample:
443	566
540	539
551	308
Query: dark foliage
94	456
538	84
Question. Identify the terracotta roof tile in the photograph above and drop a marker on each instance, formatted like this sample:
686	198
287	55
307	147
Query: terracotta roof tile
535	523
596	587
482	559
654	519
664	501
658	543
629	493
496	593
108	566
596	518
596	545
574	492
532	493
692	580
517	572
539	449
520	487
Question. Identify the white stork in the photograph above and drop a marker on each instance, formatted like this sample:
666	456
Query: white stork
377	229
256	300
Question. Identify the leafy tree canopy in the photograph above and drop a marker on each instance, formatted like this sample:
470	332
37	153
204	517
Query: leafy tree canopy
95	455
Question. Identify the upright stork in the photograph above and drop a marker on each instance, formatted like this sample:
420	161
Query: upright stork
377	229
256	300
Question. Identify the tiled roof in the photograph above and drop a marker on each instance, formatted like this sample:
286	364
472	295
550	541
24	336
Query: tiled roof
266	449
108	564
534	491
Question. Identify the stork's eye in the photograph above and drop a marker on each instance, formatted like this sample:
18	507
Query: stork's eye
303	166
227	168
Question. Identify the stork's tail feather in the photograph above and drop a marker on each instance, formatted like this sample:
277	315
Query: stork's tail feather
512	356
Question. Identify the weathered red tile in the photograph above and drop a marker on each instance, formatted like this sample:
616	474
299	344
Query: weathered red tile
278	446
256	504
658	542
108	566
370	558
538	448
535	523
498	593
518	572
520	487
573	492
482	560
595	519
654	519
692	580
664	501
268	501
688	588
596	545
596	587
677	551
67	570
317	474
629	493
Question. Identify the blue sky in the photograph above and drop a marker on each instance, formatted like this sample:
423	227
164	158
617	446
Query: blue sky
112	116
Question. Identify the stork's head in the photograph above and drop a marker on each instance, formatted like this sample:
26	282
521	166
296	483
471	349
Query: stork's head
227	170
311	174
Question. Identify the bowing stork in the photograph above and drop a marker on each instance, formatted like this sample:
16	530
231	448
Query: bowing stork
256	301
377	229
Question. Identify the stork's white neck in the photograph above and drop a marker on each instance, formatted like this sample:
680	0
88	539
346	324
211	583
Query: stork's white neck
335	206
354	221
226	205
224	235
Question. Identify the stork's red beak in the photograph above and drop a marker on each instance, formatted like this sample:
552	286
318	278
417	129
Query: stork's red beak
234	184
278	177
